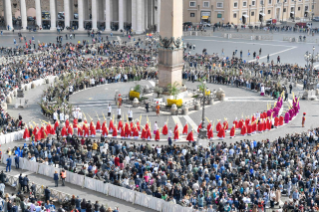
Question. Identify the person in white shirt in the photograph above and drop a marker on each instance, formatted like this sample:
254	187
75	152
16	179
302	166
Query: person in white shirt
130	115
119	113
109	112
55	116
71	89
61	116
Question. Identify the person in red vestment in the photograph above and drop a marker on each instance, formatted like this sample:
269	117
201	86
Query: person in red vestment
235	122
232	131
56	125
70	130
157	135
254	126
218	126
92	130
190	136
176	135
221	133
67	123
120	125
26	134
243	130
35	133
276	121
253	119
86	131
240	123
114	132
123	133
281	120
225	124
105	132
52	132
48	128
138	127
199	127
176	127
209	125
210	133
148	134
146	126
135	132
165	129
98	126
249	129
80	131
111	126
247	121
185	129
117	161
143	134
63	132
75	123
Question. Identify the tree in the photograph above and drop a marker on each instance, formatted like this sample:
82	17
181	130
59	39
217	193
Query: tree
173	89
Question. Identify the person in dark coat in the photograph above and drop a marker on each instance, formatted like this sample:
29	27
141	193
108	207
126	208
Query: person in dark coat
47	194
96	206
16	160
2	177
56	178
89	206
9	161
26	183
83	204
21	181
78	203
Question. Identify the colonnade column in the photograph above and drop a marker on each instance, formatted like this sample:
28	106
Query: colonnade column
146	11
152	13
107	15
81	14
23	13
8	14
38	12
94	14
121	15
67	13
140	17
53	14
134	15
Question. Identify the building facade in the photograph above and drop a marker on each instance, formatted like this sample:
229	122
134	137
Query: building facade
245	12
138	15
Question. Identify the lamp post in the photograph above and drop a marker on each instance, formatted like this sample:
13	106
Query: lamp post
249	14
203	130
262	16
312	9
311	58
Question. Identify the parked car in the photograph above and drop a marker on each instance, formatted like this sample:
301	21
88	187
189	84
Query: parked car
186	24
30	18
316	19
207	25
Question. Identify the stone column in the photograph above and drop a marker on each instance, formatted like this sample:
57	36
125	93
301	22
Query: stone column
67	15
151	13
53	14
158	15
146	12
38	12
23	13
121	15
81	14
107	15
140	16
8	14
94	14
134	15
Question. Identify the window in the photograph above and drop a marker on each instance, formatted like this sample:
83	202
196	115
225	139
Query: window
219	5
269	11
298	8
252	13
285	0
291	9
244	4
269	1
278	1
253	3
306	8
313	7
284	10
192	14
192	3
261	2
219	15
206	4
235	4
235	15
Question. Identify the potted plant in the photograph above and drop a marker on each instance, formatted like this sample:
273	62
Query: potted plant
135	92
173	90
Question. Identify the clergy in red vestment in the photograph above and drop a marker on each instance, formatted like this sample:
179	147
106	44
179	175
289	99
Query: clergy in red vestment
232	131
243	130
165	129
185	129
98	126
190	136
26	134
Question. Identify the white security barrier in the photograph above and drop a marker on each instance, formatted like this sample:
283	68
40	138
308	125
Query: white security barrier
105	188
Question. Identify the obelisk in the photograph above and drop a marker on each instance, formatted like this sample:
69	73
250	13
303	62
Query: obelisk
170	59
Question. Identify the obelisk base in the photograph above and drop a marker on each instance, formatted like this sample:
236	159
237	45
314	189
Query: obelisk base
170	65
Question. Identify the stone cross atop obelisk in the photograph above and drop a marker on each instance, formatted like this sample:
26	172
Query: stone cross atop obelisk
170	60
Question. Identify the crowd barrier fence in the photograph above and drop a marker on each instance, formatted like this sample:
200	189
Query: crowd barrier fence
122	193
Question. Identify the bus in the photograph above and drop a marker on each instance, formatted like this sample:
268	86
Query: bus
45	15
